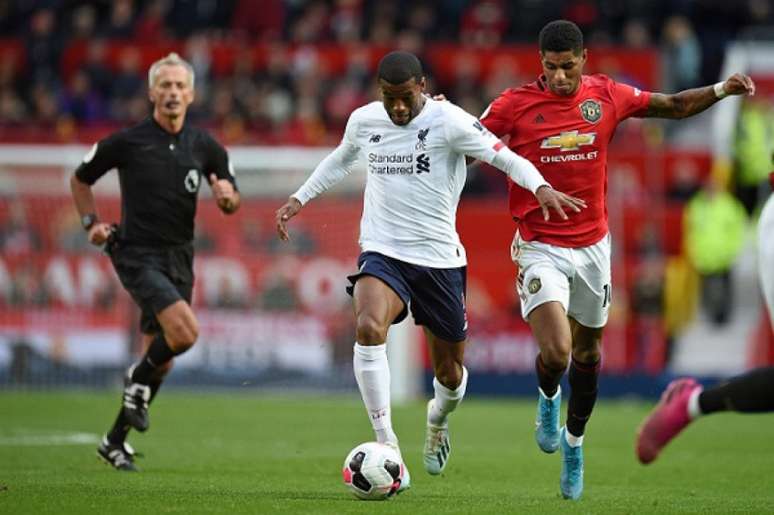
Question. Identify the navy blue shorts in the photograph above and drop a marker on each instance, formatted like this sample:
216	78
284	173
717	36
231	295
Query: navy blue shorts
436	296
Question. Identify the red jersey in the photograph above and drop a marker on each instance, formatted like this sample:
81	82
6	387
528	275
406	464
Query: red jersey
566	138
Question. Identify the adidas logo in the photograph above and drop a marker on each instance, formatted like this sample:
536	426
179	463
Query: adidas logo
539	119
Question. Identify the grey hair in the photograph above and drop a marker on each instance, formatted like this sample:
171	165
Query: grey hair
172	59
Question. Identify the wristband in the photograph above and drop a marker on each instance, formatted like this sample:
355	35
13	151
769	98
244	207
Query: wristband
88	221
719	91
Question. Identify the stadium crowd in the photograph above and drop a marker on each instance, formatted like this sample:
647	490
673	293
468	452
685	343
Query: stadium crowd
69	64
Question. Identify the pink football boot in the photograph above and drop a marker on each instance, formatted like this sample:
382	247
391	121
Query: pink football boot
668	418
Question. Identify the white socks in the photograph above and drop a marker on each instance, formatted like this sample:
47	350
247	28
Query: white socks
693	404
572	440
372	373
446	400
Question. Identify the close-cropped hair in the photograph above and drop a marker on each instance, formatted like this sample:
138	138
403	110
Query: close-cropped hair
172	59
561	36
398	67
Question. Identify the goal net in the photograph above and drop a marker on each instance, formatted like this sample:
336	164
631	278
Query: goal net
271	314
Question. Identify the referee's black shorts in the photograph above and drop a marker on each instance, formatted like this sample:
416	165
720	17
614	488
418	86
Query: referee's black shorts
155	277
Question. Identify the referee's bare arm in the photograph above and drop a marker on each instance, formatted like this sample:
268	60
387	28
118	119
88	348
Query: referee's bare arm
226	196
84	203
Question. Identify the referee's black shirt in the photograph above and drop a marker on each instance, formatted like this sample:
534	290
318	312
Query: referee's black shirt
160	175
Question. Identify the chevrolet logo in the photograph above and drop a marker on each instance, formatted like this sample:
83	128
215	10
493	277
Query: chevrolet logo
569	140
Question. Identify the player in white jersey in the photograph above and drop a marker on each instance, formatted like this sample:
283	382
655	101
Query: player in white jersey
766	249
414	150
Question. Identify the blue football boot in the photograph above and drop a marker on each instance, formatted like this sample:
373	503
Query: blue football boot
547	421
571	481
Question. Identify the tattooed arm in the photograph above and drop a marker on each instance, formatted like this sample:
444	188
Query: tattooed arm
692	101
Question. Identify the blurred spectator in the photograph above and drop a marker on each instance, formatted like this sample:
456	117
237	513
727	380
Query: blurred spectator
381	19
150	23
44	47
585	14
8	17
714	229
199	54
313	25
44	106
753	146
647	297
81	101
466	71
127	84
636	35
685	182
504	73
188	16
17	235
484	23
306	127
84	21
121	21
264	24
346	20
421	18
716	23
28	288
12	108
94	66
681	55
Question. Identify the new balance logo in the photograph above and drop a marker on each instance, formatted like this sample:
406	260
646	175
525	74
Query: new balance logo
375	138
539	119
423	163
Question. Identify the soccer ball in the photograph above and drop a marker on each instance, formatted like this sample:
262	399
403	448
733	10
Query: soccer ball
373	471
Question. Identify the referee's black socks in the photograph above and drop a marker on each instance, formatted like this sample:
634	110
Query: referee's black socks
158	354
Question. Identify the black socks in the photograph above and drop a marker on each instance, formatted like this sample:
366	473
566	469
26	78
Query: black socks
752	392
583	394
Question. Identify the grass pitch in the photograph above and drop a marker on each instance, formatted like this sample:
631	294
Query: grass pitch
247	453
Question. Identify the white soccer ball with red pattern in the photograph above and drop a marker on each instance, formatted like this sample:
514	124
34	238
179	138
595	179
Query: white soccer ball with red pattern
373	471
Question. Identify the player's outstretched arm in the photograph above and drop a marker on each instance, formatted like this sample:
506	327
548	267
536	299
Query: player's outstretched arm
693	101
285	213
331	170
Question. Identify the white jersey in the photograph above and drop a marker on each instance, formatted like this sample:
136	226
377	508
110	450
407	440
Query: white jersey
766	254
416	173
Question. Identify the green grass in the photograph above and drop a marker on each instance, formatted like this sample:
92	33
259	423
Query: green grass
247	453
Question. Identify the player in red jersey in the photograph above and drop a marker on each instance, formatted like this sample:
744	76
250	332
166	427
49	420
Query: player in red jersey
563	122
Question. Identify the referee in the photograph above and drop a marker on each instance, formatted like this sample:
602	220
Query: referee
160	165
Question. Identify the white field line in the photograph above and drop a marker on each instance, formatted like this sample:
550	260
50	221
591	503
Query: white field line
29	440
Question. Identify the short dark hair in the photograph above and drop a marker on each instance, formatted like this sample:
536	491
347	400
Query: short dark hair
561	36
398	67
